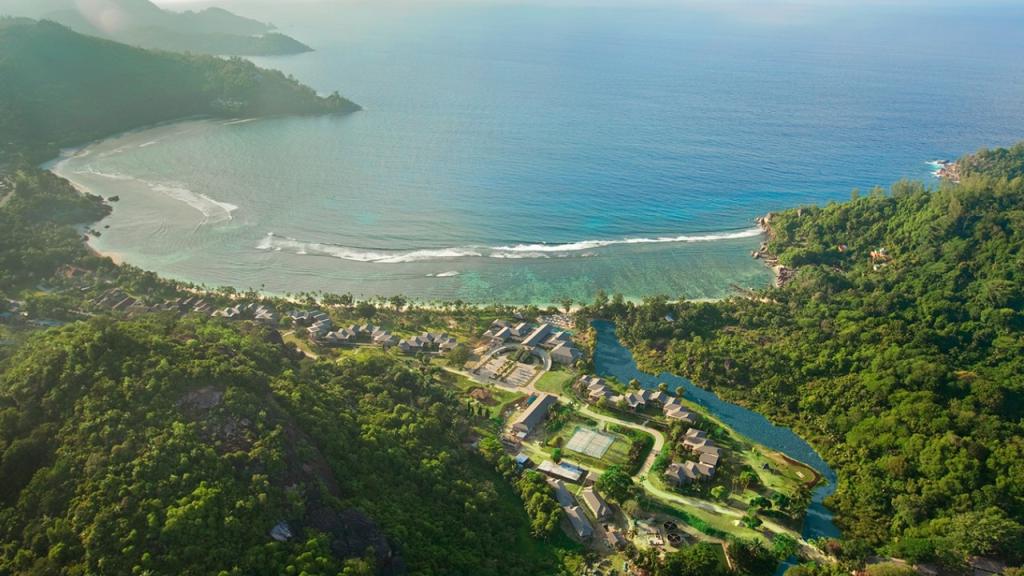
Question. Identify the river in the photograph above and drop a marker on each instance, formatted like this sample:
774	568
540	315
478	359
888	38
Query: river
612	359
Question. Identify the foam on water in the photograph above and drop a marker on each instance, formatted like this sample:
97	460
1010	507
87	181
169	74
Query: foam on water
581	249
213	211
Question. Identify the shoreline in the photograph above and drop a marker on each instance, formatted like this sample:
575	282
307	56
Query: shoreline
56	166
781	273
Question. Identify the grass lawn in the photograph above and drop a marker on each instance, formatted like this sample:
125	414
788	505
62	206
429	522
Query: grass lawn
555	381
617	453
781	476
300	342
499	398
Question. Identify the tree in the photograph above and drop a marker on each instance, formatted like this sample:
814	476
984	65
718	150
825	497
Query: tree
718	492
751	557
697	560
891	569
615	484
663	386
556	454
784	546
459	355
985	532
397	302
365	309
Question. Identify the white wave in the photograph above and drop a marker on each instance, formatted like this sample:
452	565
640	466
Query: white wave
518	255
148	144
242	121
583	249
592	244
450	274
108	175
212	210
359	255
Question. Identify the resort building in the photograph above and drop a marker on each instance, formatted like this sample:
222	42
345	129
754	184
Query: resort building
710	458
538	336
534	414
558	343
595	504
562	494
562	471
674	410
580	524
636	400
428	342
565	354
678	475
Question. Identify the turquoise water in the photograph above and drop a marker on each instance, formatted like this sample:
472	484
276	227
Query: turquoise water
611	358
531	152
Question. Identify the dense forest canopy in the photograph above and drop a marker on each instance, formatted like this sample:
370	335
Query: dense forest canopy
166	446
61	88
897	350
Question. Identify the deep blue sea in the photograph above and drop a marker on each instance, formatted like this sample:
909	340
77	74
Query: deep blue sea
531	152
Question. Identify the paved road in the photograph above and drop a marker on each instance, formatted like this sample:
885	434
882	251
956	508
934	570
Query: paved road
642	477
659	438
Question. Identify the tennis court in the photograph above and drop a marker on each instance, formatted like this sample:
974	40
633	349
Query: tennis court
590	442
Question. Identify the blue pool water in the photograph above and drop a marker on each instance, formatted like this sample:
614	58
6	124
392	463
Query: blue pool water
611	358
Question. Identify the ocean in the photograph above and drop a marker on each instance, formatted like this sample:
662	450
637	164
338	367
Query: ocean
537	152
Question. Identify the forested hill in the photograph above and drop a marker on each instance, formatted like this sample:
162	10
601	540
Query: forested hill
165	446
143	23
61	88
898	350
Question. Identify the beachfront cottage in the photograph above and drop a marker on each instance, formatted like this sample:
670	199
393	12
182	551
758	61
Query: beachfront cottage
580	524
679	414
676	475
595	504
662	398
534	414
705	471
710	458
695	444
635	400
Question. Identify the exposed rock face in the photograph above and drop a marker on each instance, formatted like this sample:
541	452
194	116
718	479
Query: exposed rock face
352	534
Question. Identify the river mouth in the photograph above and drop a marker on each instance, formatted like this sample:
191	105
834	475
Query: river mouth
613	359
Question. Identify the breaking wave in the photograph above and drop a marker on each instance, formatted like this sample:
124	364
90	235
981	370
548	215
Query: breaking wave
213	211
580	249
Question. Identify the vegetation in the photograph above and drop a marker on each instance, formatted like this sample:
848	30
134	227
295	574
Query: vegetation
61	89
144	24
35	234
175	446
616	484
896	350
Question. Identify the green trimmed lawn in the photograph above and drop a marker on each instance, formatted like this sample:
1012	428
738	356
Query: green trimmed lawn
555	381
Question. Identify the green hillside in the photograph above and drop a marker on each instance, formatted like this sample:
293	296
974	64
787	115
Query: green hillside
166	446
142	23
898	350
62	88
